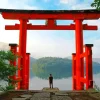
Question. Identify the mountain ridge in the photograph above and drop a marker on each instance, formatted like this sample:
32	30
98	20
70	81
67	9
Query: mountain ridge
5	46
46	65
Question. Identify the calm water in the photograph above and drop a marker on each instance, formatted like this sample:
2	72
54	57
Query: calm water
63	84
36	83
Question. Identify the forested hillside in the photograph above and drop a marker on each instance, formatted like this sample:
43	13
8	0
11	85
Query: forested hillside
58	67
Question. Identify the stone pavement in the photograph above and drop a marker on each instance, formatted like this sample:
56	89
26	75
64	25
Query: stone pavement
59	96
43	96
47	95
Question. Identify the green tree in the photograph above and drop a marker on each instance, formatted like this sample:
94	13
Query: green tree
58	67
7	69
96	4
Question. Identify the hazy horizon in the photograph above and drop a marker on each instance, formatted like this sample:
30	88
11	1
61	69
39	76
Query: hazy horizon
62	84
36	83
5	46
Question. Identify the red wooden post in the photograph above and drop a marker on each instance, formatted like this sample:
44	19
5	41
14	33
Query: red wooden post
73	71
89	73
51	23
13	48
22	52
27	72
79	50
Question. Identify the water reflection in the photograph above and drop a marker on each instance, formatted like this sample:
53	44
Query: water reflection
63	84
36	83
97	79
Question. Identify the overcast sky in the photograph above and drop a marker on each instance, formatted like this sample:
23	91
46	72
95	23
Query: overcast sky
50	43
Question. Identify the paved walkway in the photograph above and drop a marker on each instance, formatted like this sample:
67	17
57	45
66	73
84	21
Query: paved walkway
46	95
59	96
43	96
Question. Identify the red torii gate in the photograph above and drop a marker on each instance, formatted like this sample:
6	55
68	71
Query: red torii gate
51	16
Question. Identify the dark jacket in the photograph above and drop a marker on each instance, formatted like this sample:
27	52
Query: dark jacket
50	79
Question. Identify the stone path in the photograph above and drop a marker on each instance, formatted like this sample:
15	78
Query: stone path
43	95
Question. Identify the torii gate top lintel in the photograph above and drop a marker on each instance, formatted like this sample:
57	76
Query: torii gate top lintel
50	14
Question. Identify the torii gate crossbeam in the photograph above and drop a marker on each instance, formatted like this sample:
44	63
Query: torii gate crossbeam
47	27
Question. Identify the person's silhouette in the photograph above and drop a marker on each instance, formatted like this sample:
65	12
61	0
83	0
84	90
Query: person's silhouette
51	81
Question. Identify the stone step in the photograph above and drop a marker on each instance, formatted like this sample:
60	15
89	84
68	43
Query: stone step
27	96
19	99
46	89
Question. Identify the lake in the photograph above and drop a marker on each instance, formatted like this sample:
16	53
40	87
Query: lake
63	84
36	83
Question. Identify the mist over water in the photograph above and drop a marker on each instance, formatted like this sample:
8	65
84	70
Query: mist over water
36	83
96	78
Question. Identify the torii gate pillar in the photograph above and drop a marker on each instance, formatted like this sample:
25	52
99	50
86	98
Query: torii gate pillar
22	51
13	49
79	50
89	72
27	72
73	71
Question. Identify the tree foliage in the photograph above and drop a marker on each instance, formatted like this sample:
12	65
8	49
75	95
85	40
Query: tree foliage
7	69
96	4
58	67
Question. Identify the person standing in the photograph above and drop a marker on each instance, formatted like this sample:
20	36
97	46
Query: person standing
51	81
